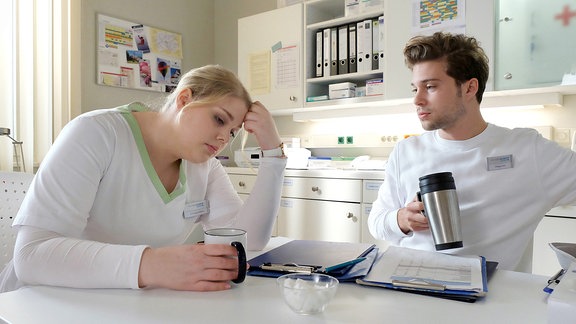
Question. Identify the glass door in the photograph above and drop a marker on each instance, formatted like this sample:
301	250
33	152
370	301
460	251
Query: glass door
535	43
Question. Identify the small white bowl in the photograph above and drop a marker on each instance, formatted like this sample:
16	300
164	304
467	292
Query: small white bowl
307	294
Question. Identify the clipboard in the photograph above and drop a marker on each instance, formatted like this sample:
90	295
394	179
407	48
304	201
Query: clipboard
437	286
342	260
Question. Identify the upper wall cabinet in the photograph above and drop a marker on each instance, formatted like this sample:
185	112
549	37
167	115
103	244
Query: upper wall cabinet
536	43
270	51
283	63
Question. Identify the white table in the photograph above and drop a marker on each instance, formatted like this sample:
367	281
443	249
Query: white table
513	297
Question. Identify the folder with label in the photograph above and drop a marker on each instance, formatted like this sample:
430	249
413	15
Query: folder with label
343	49
381	42
319	52
342	260
334	51
352	48
326	51
364	45
375	44
432	273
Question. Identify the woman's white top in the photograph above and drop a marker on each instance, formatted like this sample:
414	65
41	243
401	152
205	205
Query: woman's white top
96	203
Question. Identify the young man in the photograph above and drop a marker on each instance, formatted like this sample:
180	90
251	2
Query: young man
506	179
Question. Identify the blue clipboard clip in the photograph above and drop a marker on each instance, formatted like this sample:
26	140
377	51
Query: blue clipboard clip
344	264
555	280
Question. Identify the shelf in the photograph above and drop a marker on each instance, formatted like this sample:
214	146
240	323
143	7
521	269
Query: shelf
372	106
344	20
356	76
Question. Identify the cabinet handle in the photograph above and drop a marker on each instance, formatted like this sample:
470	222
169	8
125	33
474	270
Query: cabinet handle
506	19
351	216
508	76
315	189
292	98
241	184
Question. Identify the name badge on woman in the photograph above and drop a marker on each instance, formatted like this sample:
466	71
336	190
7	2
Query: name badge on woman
194	210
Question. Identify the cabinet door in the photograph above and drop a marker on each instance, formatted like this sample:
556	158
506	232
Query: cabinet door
319	220
536	43
270	57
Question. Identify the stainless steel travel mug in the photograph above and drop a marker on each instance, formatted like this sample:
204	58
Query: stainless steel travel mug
438	193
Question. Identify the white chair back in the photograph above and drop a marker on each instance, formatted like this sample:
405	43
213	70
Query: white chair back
13	187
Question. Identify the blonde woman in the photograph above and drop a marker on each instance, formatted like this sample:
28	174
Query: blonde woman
111	204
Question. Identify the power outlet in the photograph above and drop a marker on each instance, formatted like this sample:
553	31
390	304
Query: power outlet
389	139
562	136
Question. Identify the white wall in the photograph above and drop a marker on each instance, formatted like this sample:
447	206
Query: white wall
193	19
209	36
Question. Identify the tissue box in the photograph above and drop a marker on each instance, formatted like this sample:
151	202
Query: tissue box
352	8
297	157
374	87
371	6
341	90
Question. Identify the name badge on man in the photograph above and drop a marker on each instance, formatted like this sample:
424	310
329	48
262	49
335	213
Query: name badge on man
194	210
499	162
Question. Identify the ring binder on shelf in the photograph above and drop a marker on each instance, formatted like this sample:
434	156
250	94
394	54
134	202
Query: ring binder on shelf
364	45
343	49
326	52
352	48
319	52
375	44
333	51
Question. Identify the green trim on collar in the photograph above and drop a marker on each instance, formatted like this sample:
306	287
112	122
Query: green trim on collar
139	140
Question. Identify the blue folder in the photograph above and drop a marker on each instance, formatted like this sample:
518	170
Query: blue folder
316	257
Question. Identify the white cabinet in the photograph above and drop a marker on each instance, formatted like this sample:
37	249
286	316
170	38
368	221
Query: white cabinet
307	219
321	209
244	183
270	52
369	194
321	204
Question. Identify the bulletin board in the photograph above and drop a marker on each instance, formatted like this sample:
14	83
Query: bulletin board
132	55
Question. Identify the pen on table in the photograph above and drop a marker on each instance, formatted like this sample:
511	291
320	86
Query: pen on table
344	264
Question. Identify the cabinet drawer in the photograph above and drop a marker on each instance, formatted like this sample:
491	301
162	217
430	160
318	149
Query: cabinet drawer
243	183
319	220
323	189
370	190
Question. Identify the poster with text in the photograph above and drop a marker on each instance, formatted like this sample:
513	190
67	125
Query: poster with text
430	16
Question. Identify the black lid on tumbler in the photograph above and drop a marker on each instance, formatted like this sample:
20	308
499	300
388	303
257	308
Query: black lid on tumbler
436	182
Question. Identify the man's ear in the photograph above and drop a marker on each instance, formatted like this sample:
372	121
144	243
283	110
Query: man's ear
472	87
183	98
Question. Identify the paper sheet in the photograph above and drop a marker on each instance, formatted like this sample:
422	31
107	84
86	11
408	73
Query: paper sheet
454	272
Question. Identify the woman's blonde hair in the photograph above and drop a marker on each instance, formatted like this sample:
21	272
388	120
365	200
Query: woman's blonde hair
210	84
